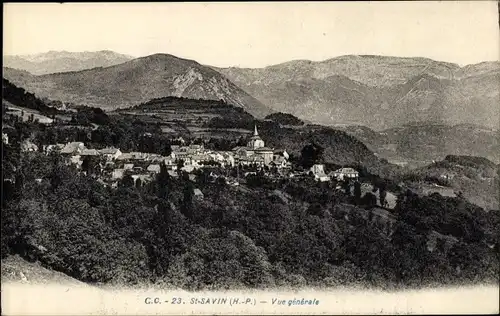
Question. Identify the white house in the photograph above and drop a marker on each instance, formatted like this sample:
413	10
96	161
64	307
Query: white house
198	159
281	162
345	173
89	152
128	166
228	159
198	194
136	155
110	153
118	173
73	148
28	145
44	120
318	171
188	168
281	153
216	156
154	168
144	178
75	159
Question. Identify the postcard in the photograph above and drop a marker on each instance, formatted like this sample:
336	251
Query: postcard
251	158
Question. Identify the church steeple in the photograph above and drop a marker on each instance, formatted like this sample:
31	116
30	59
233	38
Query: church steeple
255	141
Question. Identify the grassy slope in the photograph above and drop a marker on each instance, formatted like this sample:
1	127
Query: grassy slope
13	266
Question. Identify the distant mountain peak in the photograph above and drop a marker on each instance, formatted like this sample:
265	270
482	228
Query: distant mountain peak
378	91
139	80
63	61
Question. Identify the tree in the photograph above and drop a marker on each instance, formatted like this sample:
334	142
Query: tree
138	183
310	155
357	191
163	182
347	187
187	201
89	165
382	197
369	199
180	165
127	181
315	209
167	150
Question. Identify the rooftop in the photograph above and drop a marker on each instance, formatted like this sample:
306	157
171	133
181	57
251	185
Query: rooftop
264	149
109	150
345	170
70	148
89	152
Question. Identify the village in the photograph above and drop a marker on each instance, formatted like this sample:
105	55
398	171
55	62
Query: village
113	164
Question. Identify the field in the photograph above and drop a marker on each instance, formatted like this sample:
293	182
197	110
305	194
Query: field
25	113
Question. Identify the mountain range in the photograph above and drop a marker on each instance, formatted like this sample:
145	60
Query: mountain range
63	61
379	92
136	81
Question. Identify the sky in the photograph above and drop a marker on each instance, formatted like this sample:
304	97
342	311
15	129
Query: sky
251	34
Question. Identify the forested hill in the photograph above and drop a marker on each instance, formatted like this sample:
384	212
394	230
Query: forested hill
477	178
193	112
257	236
19	97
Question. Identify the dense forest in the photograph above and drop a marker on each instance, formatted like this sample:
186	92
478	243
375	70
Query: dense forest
260	235
284	119
17	95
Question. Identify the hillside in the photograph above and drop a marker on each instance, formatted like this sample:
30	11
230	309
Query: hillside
430	141
13	95
376	91
202	118
476	177
17	269
284	119
63	61
137	81
296	234
340	148
258	234
193	118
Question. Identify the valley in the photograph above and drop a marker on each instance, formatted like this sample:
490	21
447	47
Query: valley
211	173
261	158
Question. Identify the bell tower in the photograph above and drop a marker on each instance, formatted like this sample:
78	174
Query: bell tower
255	142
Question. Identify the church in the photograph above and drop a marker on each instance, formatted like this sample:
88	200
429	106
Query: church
255	151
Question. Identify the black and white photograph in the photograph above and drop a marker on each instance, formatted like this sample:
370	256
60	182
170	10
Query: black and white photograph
252	158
